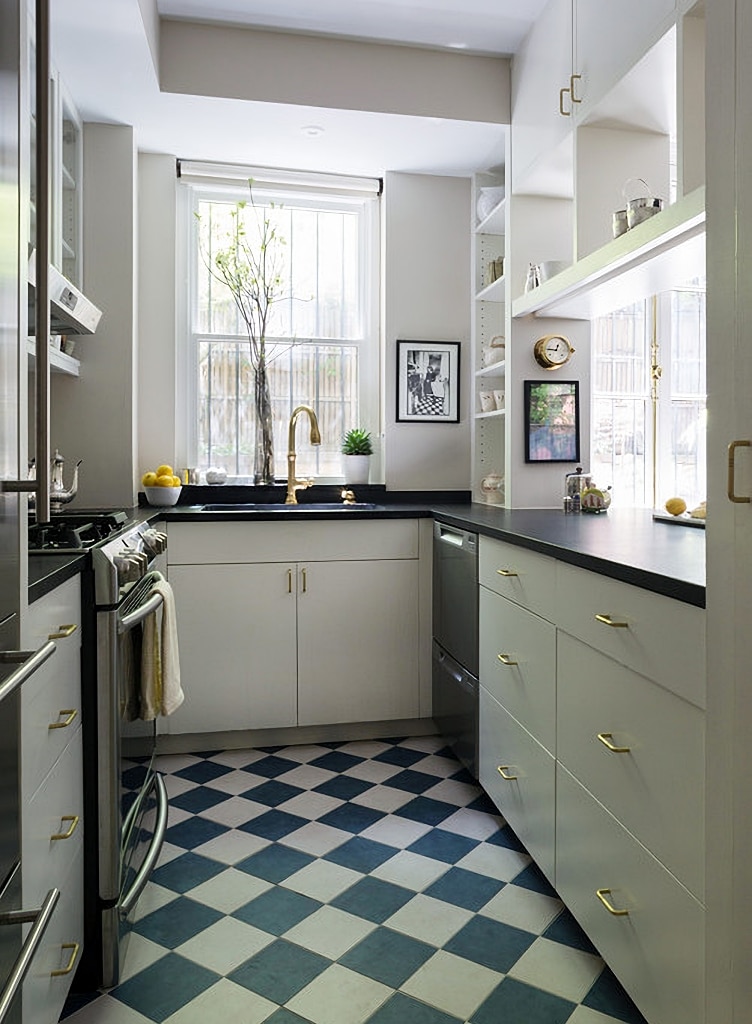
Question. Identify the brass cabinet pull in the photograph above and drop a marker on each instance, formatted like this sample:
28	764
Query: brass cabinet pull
305	581
74	820
507	572
74	947
70	714
63	632
614	623
289	581
606	737
602	894
505	659
562	111
732	496
572	80
502	769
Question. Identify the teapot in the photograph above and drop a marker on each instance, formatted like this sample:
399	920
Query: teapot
59	496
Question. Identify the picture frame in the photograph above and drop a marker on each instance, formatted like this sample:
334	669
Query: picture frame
552	421
428	381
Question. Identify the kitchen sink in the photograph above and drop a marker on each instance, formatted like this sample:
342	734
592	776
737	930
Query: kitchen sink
309	506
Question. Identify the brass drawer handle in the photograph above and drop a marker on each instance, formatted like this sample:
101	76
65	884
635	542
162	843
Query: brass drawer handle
562	93
74	820
63	632
70	713
505	659
614	623
730	482
74	947
502	769
305	581
507	572
602	894
606	737
289	581
572	80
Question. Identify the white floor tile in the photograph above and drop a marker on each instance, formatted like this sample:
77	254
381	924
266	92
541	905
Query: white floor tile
307	776
171	763
304	753
383	798
452	984
140	954
225	945
441	767
411	870
107	1010
235	782
322	880
316	838
523	908
429	744
395	831
232	846
169	852
559	969
473	824
310	805
152	898
237	758
429	920
229	890
339	996
176	814
175	785
234	811
330	932
373	771
495	861
452	792
222	1003
364	748
584	1015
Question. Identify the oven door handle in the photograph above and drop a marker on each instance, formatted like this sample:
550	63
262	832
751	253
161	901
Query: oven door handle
127	622
41	919
130	899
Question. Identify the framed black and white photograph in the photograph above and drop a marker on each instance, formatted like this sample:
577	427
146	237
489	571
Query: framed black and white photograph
552	421
428	381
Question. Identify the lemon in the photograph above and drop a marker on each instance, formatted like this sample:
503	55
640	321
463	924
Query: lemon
675	506
149	479
165	470
176	481
165	480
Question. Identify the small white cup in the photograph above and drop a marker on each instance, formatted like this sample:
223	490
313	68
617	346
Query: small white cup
487	401
498	399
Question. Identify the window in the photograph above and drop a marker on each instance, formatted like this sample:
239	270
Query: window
322	332
648	395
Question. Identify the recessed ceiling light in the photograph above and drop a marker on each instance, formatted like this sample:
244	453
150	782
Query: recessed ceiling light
312	130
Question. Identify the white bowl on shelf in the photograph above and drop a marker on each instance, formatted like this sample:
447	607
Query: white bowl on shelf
488	200
162	496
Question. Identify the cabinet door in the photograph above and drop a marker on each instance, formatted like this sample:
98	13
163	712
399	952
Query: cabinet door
540	69
357	641
236	630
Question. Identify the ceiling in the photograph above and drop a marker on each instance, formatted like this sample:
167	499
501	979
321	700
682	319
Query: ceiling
102	52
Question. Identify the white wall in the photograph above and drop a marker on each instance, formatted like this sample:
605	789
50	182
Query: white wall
426	297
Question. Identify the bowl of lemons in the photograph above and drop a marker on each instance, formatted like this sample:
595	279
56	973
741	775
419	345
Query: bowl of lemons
161	486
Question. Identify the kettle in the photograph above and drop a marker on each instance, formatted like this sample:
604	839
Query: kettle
577	482
59	496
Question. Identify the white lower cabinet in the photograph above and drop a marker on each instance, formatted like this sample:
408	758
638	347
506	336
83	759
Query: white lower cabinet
646	925
52	798
330	636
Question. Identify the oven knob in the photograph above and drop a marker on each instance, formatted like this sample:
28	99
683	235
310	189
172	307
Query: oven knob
128	569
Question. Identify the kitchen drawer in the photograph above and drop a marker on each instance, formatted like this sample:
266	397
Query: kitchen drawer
45	860
661	638
656	789
657	949
526	800
44	992
525	682
522	576
62	606
292	541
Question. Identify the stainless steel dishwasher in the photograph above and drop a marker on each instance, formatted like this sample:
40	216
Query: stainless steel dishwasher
455	640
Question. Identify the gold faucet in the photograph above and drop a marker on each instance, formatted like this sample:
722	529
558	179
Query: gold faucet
293	484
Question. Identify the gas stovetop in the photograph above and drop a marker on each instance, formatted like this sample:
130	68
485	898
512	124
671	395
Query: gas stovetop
75	531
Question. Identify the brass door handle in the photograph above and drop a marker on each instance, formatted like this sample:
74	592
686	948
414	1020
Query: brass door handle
74	820
507	572
606	737
70	714
63	632
572	80
502	769
602	895
505	659
614	623
74	947
732	495
289	581
305	580
562	92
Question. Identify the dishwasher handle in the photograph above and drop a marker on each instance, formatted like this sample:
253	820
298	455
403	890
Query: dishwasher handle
457	538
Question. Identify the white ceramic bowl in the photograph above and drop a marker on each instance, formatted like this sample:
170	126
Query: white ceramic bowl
162	495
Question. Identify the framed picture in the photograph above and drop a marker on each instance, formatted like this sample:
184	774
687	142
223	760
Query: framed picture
552	421
428	381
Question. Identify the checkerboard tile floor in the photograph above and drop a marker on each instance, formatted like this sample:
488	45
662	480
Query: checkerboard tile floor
346	883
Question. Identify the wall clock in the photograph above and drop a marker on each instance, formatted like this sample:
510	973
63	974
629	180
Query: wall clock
552	351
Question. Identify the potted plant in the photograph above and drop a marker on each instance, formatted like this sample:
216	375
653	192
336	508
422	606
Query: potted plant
357	449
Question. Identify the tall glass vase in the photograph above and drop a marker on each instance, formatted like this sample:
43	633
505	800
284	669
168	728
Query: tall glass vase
263	456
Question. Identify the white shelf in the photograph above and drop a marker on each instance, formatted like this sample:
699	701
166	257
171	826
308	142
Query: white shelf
493	224
656	256
59	361
493	292
494	370
494	413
